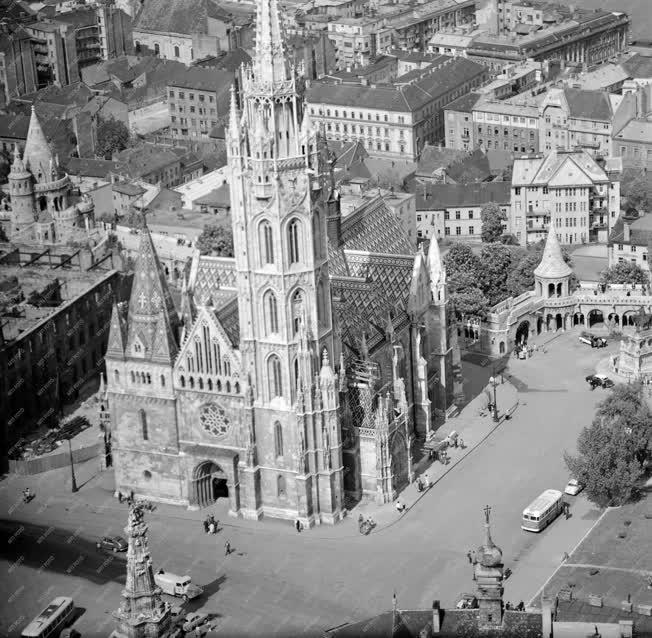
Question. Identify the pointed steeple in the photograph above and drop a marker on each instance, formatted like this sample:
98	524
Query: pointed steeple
234	118
37	155
117	335
435	264
165	347
270	61
149	297
419	281
18	169
552	264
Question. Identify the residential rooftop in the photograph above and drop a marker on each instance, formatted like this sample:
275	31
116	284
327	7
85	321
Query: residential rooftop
636	131
442	196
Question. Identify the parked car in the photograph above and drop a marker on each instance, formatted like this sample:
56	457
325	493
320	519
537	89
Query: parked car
174	585
112	543
605	381
467	601
194	620
592	340
573	487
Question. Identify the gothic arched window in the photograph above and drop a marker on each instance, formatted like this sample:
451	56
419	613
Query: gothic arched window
316	233
321	303
157	48
296	373
294	239
143	424
280	486
266	243
162	380
274	375
176	51
271	312
278	439
297	310
116	376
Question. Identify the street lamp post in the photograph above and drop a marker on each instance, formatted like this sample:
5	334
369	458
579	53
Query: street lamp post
72	469
494	383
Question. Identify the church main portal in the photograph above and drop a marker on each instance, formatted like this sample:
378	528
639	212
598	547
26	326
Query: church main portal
209	482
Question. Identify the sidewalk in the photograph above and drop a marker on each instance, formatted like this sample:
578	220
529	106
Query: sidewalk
96	486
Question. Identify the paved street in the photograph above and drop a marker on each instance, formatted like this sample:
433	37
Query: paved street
299	584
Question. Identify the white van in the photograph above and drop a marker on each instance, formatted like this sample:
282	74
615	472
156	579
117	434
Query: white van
180	586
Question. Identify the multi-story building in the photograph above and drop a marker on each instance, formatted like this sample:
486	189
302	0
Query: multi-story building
574	118
246	405
17	65
197	101
53	335
453	211
394	121
631	240
405	26
72	40
187	30
633	144
575	192
588	37
508	125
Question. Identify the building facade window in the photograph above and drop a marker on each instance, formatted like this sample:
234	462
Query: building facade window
143	424
278	439
274	376
267	242
294	238
271	313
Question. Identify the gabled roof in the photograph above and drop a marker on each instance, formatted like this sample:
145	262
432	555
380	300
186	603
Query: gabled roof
434	157
443	196
640	231
464	104
565	168
589	105
472	168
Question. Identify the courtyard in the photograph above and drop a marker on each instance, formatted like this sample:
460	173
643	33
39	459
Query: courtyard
282	582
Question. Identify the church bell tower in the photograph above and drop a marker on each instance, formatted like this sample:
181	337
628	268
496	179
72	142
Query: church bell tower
280	187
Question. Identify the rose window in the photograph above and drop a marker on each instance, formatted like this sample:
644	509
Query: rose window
213	419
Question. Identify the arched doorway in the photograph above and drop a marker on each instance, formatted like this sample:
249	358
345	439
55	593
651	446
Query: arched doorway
559	321
522	332
209	483
629	318
501	347
399	463
539	325
595	316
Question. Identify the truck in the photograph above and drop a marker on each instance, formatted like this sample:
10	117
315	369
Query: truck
180	586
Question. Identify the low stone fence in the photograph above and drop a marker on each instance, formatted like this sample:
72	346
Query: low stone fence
29	467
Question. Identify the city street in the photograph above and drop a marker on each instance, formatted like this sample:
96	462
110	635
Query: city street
281	582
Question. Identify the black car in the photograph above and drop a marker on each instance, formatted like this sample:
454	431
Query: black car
112	543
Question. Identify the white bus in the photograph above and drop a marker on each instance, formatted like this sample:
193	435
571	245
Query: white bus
51	620
542	511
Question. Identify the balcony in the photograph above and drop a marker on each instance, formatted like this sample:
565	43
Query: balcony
263	191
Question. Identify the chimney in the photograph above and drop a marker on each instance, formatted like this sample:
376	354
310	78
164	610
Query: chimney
546	617
626	230
436	617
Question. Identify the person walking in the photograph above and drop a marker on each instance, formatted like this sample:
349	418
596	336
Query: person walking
400	507
566	510
211	528
227	548
206	526
426	480
468	555
120	497
297	524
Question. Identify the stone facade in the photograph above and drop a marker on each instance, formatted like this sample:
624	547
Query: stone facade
303	369
41	207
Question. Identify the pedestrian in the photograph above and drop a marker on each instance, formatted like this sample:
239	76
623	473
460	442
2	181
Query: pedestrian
426	480
227	548
399	507
473	558
360	519
211	528
462	445
217	526
419	485
206	526
120	497
297	524
455	442
468	555
566	510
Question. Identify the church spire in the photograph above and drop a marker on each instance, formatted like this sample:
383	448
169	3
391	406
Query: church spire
234	118
149	299
552	264
270	61
37	155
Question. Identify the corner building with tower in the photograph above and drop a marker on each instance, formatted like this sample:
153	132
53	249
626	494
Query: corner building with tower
304	370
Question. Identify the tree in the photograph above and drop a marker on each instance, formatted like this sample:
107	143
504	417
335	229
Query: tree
614	449
625	272
216	240
492	222
3	235
635	190
5	166
111	136
495	265
469	302
461	259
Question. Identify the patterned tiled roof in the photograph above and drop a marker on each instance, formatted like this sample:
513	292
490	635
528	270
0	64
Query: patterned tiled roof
213	274
374	228
228	316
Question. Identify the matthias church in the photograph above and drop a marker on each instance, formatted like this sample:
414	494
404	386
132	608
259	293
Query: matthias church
304	371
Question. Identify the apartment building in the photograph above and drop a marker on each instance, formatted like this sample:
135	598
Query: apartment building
397	120
631	240
402	25
73	40
572	118
17	66
633	144
580	194
475	120
454	211
198	100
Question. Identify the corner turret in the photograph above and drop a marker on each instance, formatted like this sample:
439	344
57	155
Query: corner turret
552	275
